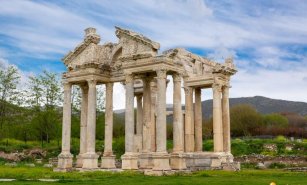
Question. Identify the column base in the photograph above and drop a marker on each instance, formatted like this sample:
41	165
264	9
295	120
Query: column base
145	161
90	161
177	161
64	162
161	161
79	162
129	161
108	162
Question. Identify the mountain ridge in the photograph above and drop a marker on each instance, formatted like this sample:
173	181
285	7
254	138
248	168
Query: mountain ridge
263	105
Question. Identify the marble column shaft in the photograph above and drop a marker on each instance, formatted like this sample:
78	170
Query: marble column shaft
153	115
129	114
198	121
66	127
83	119
189	120
108	121
91	117
226	119
146	115
65	157
139	114
83	123
161	112
178	127
217	119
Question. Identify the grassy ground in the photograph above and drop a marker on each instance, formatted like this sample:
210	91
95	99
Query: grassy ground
238	146
250	177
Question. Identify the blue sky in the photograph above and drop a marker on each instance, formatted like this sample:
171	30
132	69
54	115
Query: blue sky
267	38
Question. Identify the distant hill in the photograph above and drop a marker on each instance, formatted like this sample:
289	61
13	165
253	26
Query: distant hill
262	104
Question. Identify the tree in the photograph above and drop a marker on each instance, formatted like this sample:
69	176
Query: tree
275	120
45	96
244	119
9	79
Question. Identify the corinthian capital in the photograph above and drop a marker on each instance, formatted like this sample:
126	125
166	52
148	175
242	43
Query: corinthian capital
161	73
67	86
129	78
188	90
177	77
217	87
91	82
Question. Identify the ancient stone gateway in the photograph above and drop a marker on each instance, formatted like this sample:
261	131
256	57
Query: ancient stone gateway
134	61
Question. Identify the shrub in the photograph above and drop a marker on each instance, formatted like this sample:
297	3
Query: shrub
277	165
281	138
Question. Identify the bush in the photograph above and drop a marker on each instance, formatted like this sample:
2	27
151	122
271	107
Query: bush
281	138
277	166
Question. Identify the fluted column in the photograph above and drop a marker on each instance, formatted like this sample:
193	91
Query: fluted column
90	159
226	119
108	159
139	114
189	120
83	123
177	160
145	160
217	119
146	114
161	112
161	157
198	121
153	115
178	127
65	157
129	159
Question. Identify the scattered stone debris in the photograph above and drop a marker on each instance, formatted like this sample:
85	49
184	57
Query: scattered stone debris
7	180
297	169
261	166
48	165
30	165
11	164
270	147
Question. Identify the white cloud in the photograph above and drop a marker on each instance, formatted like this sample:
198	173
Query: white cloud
260	28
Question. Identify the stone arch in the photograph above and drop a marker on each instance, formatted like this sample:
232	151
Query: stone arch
116	53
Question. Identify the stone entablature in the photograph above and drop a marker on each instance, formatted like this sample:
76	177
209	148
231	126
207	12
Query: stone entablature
134	61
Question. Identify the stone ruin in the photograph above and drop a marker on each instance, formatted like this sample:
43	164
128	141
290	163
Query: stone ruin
134	61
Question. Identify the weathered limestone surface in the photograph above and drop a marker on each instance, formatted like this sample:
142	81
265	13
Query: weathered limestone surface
108	159
65	157
217	119
90	158
134	62
198	121
83	145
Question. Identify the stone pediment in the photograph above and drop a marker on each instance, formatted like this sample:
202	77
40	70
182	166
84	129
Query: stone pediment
136	44
85	52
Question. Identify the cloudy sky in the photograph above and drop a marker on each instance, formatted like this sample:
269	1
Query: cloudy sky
267	38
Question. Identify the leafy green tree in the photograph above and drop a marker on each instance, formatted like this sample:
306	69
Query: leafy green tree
275	120
9	79
45	96
244	119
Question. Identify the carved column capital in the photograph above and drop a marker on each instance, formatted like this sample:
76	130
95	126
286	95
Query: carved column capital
147	79
91	82
217	87
161	73
188	90
84	88
67	86
177	77
129	78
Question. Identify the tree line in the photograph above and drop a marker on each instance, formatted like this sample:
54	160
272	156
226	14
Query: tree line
33	111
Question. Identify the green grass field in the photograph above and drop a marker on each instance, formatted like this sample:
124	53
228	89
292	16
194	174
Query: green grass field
250	177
